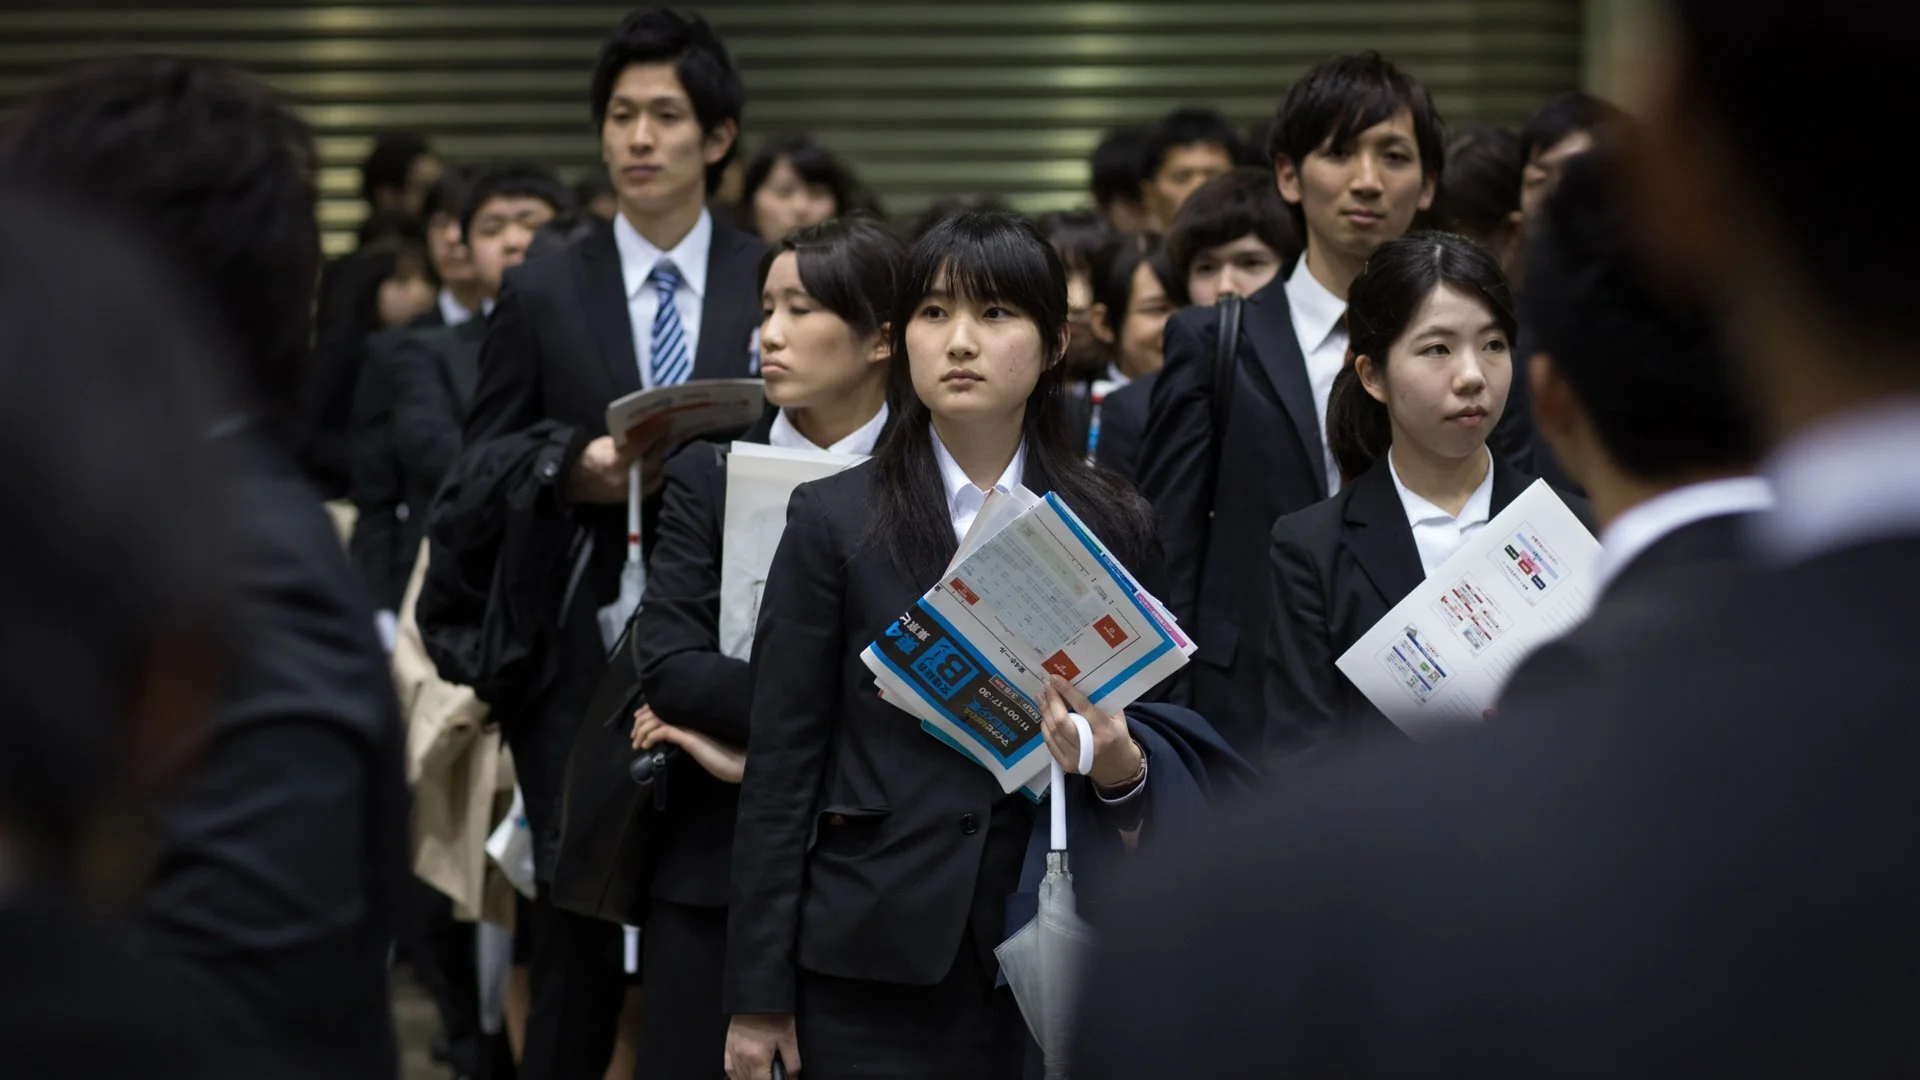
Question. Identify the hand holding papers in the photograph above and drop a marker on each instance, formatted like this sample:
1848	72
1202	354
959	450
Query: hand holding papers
760	483
670	415
1031	592
1443	654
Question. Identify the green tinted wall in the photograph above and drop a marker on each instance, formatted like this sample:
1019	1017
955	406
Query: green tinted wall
923	98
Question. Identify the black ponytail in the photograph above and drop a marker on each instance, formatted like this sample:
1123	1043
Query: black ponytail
1381	304
1000	256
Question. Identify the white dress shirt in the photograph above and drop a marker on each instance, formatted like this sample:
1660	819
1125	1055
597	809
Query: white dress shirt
638	257
787	437
450	310
1851	480
964	500
1645	525
1323	341
1436	533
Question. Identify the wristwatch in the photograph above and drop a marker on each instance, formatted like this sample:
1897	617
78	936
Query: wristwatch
1129	784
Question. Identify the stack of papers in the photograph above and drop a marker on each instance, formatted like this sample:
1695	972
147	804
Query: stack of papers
760	483
686	411
1443	654
1030	592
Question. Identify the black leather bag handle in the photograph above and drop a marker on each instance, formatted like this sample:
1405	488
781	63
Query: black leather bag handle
1226	358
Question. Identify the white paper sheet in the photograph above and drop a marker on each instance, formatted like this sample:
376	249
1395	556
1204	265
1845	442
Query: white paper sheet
760	483
1444	653
688	410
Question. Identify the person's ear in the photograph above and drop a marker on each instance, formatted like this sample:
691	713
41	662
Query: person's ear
882	349
1060	346
1429	183
1373	377
1286	178
1097	319
717	142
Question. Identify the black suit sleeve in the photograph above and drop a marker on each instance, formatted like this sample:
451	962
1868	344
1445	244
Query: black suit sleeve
426	417
376	486
1302	686
1174	455
796	698
1120	434
689	682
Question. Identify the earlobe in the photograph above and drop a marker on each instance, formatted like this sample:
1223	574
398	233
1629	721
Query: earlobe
882	349
1286	178
1370	378
1427	187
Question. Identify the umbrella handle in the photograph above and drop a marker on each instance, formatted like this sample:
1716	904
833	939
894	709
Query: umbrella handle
1057	803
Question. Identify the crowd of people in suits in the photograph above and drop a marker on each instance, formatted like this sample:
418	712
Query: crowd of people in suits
1282	375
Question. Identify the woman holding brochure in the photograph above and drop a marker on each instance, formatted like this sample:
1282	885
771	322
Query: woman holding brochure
1430	361
874	862
826	292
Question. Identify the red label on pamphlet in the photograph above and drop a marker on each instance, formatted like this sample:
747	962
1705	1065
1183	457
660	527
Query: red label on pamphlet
960	588
1060	665
1110	631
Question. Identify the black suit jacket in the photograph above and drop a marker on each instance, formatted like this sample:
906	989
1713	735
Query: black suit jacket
1684	569
387	527
1703	866
1336	569
1123	424
433	374
865	846
560	348
1272	463
284	862
688	681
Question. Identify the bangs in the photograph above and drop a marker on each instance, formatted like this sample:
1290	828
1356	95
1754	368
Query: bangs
985	261
1371	103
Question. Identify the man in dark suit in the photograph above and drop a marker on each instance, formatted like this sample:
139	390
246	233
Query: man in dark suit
664	294
1635	396
1710	867
1357	150
283	862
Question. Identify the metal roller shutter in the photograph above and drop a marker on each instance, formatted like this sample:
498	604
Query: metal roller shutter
923	98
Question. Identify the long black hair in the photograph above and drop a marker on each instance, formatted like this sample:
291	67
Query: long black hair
1381	305
1002	257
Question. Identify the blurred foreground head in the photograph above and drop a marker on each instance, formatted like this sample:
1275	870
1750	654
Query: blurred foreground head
217	173
1816	277
110	558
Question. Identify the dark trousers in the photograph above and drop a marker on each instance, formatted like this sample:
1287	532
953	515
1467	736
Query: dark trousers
683	1033
441	950
577	986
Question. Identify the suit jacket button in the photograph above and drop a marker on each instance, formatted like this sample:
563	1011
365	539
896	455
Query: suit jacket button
969	824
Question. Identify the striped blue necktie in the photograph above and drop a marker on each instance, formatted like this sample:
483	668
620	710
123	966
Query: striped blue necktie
671	365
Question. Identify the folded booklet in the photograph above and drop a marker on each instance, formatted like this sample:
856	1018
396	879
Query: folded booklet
1031	592
760	483
687	411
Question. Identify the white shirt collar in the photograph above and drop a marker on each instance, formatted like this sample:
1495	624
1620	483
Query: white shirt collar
1849	480
1477	511
638	256
451	311
1117	377
1645	525
787	437
964	500
1316	311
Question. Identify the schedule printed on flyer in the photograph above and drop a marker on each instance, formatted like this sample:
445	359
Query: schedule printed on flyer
1032	592
1444	653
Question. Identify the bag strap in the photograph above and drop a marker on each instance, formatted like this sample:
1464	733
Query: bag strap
1226	359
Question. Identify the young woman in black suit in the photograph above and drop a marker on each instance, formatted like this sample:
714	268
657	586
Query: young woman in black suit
873	862
1432	327
826	292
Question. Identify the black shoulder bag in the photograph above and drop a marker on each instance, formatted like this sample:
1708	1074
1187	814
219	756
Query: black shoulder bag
1226	353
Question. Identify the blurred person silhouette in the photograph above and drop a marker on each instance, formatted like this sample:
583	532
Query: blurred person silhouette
1080	237
282	863
1563	129
594	195
1135	292
1115	174
1702	865
1479	195
1187	148
793	182
110	638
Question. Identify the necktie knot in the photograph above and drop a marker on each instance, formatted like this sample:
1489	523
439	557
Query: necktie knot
665	277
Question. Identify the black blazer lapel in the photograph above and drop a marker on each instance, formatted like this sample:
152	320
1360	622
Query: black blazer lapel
461	355
1379	536
1267	328
603	292
1509	484
731	269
